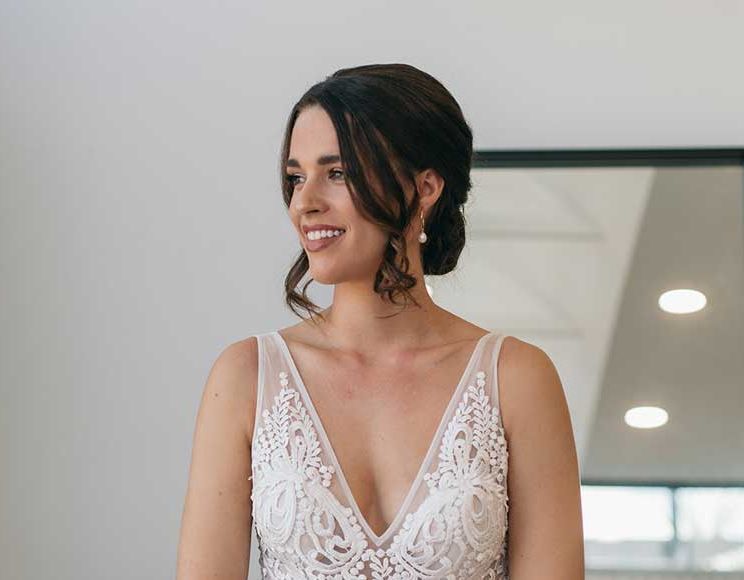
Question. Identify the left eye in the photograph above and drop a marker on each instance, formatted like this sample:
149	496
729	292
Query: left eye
337	171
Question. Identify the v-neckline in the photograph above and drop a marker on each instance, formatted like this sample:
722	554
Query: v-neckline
433	444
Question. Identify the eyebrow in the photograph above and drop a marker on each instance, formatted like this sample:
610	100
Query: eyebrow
322	160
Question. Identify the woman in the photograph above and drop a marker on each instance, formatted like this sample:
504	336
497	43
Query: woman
383	437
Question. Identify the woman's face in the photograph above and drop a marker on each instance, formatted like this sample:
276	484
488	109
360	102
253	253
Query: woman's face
321	197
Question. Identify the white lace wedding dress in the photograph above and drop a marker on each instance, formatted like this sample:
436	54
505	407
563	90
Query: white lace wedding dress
453	522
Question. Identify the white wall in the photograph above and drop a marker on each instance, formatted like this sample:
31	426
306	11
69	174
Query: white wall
141	227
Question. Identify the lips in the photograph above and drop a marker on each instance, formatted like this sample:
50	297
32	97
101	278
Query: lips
322	243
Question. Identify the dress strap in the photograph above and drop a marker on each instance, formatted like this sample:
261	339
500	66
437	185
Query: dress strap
493	364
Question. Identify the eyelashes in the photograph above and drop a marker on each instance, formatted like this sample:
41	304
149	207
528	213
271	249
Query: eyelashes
292	177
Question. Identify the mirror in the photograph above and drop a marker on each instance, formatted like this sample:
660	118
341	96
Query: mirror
627	268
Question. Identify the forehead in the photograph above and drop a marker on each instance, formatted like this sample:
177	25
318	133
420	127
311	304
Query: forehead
313	132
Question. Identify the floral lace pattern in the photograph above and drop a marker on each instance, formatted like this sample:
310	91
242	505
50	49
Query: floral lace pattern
457	532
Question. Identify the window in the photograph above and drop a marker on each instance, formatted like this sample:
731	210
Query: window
663	527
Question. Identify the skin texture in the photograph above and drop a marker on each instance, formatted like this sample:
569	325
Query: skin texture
387	380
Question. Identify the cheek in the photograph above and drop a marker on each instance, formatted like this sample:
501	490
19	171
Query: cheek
369	235
368	246
368	238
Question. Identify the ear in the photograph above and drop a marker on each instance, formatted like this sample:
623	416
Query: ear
430	186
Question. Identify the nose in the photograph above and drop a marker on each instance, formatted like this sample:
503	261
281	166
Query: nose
308	198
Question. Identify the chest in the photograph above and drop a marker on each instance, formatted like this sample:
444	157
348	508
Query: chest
380	423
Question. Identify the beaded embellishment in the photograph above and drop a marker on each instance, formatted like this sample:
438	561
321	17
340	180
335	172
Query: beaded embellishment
456	532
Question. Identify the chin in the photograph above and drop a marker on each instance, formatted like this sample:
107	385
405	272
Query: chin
325	276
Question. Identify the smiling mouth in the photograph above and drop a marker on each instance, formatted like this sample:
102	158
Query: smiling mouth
314	245
318	234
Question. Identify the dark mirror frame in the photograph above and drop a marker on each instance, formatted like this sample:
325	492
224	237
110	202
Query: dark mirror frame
489	158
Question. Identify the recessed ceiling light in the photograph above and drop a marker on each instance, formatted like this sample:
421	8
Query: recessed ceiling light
682	301
646	417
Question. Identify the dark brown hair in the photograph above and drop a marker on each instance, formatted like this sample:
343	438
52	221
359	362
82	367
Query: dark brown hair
391	121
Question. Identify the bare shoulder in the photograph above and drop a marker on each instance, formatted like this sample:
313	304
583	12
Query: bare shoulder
234	377
528	382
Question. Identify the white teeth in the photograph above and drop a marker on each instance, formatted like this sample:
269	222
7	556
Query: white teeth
318	234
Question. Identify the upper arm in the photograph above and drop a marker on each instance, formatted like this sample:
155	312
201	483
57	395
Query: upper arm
216	521
545	520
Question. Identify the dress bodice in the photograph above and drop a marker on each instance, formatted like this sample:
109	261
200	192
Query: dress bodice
452	524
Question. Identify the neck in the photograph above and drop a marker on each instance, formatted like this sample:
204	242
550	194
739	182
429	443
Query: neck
358	316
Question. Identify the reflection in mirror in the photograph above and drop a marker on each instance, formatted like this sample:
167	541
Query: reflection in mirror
627	268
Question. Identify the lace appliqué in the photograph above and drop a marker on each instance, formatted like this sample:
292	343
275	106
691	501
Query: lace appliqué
457	532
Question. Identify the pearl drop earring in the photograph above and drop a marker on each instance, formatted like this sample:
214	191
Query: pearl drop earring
422	236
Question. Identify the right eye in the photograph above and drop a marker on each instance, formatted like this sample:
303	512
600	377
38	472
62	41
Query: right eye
291	178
